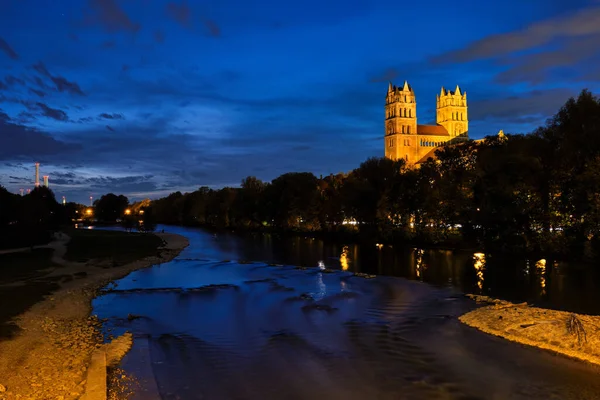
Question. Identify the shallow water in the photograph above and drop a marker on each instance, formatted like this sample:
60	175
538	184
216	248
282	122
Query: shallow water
217	329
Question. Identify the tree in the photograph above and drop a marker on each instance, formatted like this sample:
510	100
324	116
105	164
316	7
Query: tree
110	207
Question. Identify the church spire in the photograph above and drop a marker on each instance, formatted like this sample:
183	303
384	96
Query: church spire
457	91
390	87
406	88
442	92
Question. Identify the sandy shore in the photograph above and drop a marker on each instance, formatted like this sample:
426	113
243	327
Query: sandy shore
50	356
538	327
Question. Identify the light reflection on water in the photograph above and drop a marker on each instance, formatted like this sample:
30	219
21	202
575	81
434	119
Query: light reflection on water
258	335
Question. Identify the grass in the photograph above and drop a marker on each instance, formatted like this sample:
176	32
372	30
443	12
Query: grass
25	265
15	300
119	247
26	269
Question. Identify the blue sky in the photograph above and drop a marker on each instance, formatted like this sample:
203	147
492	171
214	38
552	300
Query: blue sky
146	97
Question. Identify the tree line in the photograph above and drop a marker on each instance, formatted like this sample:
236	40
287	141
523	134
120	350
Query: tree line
536	192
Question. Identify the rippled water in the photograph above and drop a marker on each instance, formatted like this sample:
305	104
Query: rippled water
211	328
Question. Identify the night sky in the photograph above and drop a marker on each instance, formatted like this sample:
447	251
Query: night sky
146	97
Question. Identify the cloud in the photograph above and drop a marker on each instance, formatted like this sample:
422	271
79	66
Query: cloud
85	120
159	36
213	28
38	93
108	15
5	47
575	25
570	58
530	107
61	84
180	13
388	75
109	44
18	141
53	113
111	116
110	128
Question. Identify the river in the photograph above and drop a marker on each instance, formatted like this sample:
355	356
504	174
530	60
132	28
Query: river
254	317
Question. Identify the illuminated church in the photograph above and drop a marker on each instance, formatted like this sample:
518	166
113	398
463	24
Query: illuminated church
415	143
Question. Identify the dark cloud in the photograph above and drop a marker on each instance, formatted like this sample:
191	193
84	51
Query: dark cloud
181	13
20	179
109	44
47	111
159	36
38	93
110	128
388	75
110	16
570	56
5	47
18	141
61	84
111	116
530	107
16	165
575	25
85	120
25	116
213	28
13	80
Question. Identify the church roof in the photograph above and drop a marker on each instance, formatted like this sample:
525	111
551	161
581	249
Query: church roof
432	130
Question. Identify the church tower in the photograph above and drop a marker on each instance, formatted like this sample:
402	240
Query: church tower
400	122
452	112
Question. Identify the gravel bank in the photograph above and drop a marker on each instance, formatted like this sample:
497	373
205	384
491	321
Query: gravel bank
50	357
573	335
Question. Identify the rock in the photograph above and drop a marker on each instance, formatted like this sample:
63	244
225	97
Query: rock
2	388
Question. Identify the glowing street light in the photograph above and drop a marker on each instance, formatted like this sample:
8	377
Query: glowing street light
88	211
127	211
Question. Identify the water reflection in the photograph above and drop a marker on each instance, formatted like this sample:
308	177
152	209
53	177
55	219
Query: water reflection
568	286
540	266
344	261
479	265
419	262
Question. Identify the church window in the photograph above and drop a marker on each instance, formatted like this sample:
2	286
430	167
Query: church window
410	113
408	129
406	157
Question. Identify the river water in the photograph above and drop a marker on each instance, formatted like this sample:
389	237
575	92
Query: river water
254	317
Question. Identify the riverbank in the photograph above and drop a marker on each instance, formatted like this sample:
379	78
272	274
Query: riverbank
48	355
570	334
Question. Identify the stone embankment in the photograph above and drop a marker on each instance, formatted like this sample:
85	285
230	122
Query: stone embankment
570	334
50	357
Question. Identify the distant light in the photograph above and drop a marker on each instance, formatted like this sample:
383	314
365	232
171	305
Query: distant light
127	212
88	211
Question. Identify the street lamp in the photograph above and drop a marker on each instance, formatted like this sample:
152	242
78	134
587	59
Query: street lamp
127	211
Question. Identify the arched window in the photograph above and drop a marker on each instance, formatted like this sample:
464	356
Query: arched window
408	129
410	113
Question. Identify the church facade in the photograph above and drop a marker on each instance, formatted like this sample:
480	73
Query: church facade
406	139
